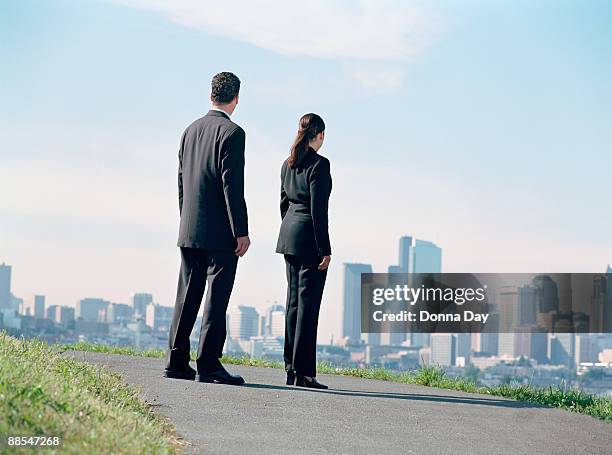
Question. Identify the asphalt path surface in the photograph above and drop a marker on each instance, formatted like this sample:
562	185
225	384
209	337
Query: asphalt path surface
355	416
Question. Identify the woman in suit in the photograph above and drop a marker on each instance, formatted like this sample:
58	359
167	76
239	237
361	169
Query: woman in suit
304	241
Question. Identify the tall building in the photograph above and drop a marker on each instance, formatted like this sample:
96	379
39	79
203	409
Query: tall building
607	311
275	321
443	349
397	275
531	341
23	309
419	339
527	341
405	254
5	286
394	269
508	309
243	322
546	294
485	343
586	348
60	314
51	312
419	256
464	348
506	345
426	257
561	349
598	303
527	298
393	338
140	300
351	308
119	313
39	306
158	317
92	309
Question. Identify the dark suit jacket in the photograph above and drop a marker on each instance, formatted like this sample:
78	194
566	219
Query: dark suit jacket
305	190
211	184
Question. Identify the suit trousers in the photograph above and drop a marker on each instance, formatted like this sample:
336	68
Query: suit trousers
199	268
305	285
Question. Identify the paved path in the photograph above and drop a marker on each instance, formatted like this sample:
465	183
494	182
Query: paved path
355	416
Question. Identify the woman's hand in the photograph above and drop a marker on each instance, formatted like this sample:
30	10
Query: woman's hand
324	262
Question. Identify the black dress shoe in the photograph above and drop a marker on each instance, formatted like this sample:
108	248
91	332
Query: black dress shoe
220	376
183	373
310	383
290	377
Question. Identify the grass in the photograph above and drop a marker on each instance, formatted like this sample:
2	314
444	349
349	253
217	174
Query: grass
90	409
553	396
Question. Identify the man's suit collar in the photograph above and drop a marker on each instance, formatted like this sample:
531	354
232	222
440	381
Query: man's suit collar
217	113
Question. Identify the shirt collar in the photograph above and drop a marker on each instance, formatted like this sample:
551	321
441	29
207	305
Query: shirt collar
219	110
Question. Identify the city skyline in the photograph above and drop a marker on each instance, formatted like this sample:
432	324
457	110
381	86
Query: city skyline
501	151
350	323
584	359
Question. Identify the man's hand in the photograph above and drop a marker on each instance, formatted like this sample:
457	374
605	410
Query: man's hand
324	262
242	246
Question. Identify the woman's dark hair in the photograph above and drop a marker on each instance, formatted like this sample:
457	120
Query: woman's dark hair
310	125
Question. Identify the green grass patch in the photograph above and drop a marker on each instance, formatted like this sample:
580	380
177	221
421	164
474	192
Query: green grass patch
89	408
553	396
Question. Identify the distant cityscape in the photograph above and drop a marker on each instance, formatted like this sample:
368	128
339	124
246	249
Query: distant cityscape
578	360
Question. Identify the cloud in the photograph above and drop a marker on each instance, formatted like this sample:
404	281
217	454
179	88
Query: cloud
378	78
369	37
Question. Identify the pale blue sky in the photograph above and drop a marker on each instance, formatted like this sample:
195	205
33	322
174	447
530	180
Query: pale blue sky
485	127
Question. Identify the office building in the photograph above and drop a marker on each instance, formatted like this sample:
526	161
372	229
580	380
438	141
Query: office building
506	345
419	339
530	341
52	311
485	343
275	322
39	306
561	349
464	348
119	313
527	303
60	314
598	303
243	322
405	254
546	294
351	307
158	317
5	286
397	276
23	309
508	309
426	257
92	309
586	348
443	349
270	348
140	300
607	311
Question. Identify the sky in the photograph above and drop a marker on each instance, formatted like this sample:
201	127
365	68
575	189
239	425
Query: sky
483	126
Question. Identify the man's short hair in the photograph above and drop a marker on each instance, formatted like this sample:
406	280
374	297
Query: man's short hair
225	87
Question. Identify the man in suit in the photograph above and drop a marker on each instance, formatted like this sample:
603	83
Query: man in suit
213	233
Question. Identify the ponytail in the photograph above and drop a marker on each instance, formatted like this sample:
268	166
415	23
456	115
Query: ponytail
310	126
